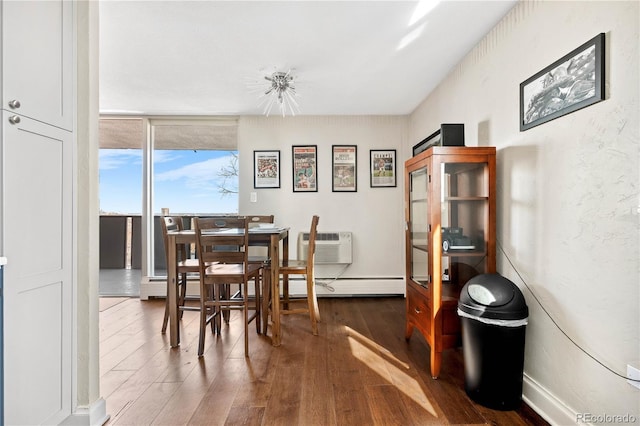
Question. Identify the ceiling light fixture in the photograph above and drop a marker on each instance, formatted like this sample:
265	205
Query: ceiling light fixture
281	91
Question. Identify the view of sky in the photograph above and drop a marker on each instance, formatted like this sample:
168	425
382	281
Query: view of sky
186	181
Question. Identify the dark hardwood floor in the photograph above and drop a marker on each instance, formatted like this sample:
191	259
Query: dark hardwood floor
358	371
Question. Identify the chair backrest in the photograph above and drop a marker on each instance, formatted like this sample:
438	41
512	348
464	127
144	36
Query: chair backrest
222	239
256	220
172	223
312	242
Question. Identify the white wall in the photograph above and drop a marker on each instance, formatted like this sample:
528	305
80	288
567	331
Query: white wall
374	215
567	198
89	407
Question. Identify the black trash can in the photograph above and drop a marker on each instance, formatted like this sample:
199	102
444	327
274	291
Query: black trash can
494	317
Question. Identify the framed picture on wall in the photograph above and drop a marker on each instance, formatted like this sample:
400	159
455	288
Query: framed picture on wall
344	168
383	168
305	168
266	169
572	82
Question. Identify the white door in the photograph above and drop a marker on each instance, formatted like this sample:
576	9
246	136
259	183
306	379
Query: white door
37	242
37	60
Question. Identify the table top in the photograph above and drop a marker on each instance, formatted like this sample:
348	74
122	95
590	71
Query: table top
232	231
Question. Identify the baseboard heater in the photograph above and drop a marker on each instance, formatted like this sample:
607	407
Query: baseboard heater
342	287
351	286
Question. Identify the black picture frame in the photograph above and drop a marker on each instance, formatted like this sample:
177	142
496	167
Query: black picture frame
382	170
305	168
344	168
266	169
573	82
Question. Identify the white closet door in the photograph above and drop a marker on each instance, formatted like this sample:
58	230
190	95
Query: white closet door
37	60
37	242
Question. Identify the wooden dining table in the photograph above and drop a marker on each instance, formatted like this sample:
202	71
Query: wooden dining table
258	236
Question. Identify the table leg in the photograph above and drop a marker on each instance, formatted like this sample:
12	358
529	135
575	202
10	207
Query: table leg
172	293
285	278
275	290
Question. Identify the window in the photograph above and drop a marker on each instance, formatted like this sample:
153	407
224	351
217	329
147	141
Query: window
191	169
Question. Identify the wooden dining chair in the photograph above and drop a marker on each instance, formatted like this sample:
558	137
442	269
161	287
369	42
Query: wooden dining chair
184	266
222	250
296	267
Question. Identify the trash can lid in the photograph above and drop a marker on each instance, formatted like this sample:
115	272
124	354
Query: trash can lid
493	296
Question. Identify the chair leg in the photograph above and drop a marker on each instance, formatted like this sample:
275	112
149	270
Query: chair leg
203	324
165	321
245	314
266	300
258	316
218	294
226	294
285	291
183	293
212	309
312	304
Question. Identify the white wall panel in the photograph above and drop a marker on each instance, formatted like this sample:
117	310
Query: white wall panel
374	215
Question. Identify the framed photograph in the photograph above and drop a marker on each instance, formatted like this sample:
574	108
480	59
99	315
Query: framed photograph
344	168
572	82
383	168
305	168
266	169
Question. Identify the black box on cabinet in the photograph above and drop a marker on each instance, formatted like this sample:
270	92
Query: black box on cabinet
447	135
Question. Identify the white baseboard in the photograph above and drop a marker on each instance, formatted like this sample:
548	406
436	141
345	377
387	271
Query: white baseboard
95	415
370	286
547	405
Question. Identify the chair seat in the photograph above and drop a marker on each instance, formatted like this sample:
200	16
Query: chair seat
300	265
224	269
188	265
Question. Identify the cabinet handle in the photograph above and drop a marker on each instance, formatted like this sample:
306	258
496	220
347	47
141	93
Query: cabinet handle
14	104
14	119
417	310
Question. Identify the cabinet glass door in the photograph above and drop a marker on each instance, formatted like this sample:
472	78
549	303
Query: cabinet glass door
464	220
418	222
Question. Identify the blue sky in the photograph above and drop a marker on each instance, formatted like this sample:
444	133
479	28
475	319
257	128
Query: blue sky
185	181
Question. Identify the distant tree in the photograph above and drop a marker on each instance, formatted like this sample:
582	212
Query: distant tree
229	174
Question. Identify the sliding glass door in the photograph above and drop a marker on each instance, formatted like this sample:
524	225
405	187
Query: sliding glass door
185	165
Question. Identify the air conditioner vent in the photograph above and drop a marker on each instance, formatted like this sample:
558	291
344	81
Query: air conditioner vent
331	247
323	236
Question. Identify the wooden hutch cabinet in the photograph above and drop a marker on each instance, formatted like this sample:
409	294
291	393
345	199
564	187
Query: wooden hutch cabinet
450	237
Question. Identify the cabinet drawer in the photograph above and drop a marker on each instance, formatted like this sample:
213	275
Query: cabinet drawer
418	311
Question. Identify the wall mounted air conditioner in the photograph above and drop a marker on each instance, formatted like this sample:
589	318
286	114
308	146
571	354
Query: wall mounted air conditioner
331	247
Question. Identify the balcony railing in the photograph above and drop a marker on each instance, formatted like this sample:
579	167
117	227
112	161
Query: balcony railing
121	242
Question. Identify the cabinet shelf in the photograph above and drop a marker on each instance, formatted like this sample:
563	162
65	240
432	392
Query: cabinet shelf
447	199
450	199
421	247
465	253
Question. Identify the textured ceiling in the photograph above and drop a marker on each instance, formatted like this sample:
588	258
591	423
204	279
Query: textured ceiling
349	57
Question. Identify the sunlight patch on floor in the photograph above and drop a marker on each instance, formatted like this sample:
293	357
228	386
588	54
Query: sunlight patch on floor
384	363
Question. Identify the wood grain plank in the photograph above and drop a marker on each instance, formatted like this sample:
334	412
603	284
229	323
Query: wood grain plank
147	406
358	370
